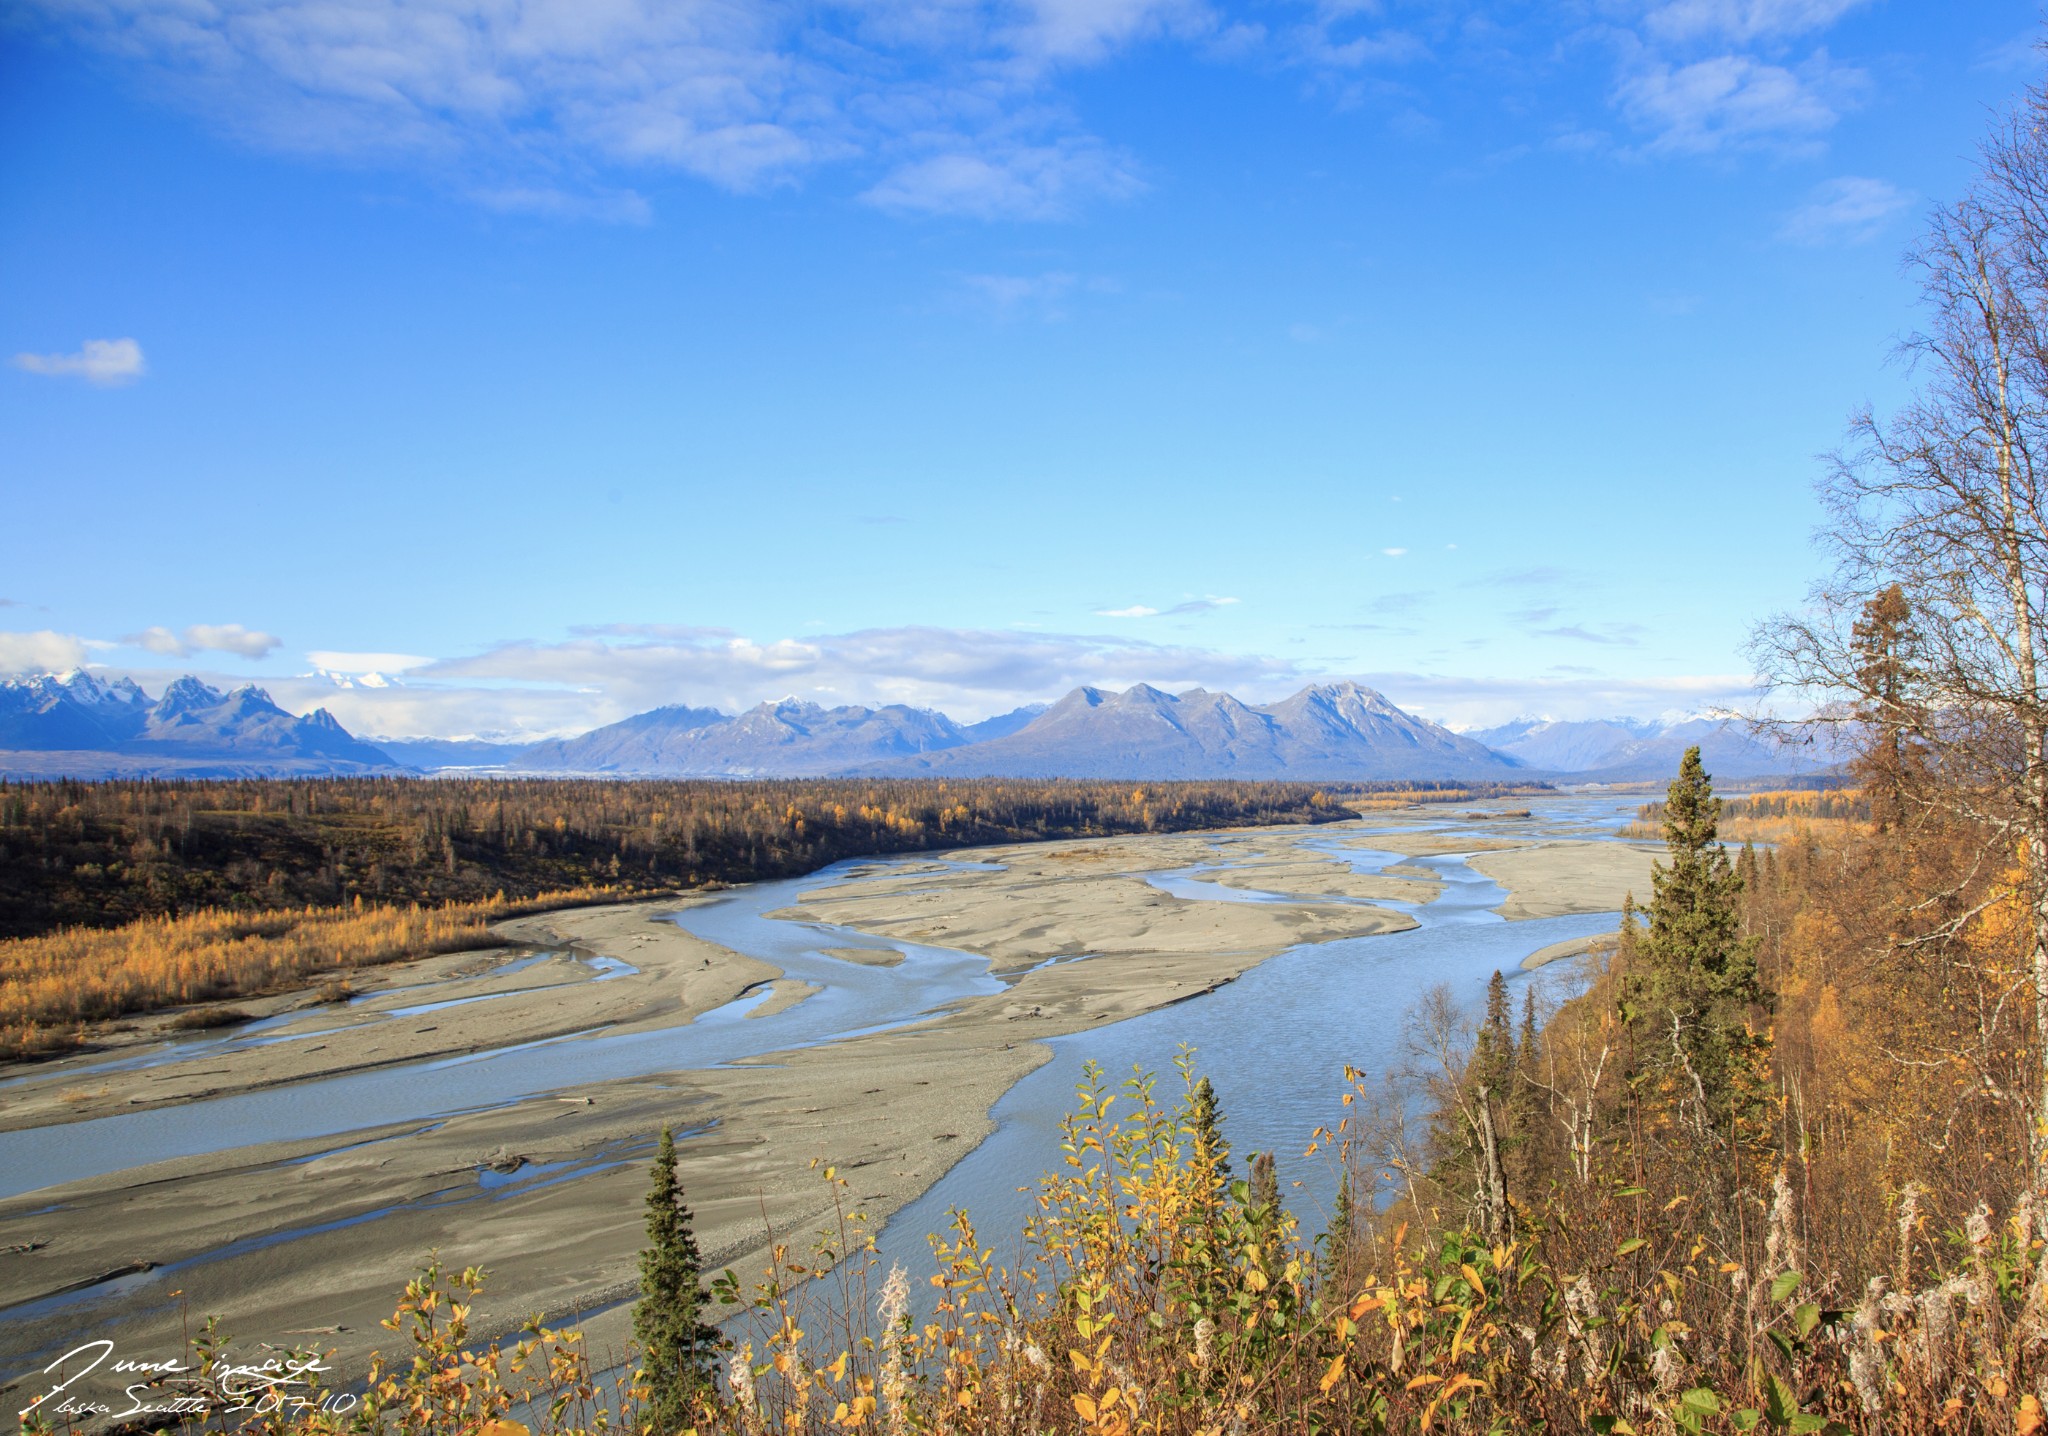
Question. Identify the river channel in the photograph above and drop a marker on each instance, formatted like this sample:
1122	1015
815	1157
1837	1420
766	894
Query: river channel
1275	1041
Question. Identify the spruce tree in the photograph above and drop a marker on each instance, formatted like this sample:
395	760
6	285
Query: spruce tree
1337	1242
1693	978
677	1349
1527	1129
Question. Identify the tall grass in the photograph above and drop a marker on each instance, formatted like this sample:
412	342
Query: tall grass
52	988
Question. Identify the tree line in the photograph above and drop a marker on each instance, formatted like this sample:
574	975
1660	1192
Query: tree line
101	854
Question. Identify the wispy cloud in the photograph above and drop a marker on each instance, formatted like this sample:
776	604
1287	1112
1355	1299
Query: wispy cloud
1540	577
1395	552
1042	296
1847	210
1045	181
1620	635
105	362
1736	101
523	107
1744	20
205	637
1207	604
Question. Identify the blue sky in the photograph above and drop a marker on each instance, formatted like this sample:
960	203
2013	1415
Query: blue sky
564	358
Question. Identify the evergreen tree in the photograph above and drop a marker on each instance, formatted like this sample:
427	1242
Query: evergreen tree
1493	1053
1528	1164
1693	978
677	1348
1337	1243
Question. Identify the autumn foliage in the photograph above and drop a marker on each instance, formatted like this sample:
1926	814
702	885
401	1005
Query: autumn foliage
53	987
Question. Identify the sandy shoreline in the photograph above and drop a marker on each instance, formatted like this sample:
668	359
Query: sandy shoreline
1079	935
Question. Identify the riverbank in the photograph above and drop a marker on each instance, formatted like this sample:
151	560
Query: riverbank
545	1191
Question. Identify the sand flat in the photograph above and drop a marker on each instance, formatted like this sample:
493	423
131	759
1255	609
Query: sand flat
1555	878
1083	938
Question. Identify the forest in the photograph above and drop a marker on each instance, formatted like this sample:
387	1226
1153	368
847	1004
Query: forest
100	854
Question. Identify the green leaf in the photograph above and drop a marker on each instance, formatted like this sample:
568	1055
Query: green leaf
1786	1283
1745	1419
1632	1244
1700	1399
1803	1423
1633	1192
1780	1404
1783	1343
1806	1318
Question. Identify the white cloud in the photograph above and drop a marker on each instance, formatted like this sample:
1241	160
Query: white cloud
41	652
1395	552
205	637
1007	182
1744	20
105	362
1736	102
1136	610
1847	210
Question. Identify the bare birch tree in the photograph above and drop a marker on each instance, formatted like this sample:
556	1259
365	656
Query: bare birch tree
1945	500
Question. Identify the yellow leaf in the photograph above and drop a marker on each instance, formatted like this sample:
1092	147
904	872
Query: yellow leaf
1085	1405
1458	1341
503	1428
1334	1374
1465	1270
2030	1415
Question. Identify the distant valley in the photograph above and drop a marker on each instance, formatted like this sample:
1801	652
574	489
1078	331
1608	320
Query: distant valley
78	725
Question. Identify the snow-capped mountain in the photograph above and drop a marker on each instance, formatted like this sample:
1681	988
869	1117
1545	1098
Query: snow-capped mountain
80	725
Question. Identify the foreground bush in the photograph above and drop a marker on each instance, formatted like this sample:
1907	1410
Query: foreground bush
1164	1297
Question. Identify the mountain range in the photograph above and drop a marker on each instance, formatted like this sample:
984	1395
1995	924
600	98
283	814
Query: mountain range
76	725
82	726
